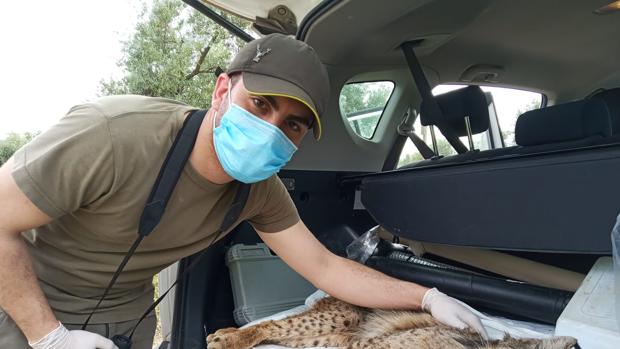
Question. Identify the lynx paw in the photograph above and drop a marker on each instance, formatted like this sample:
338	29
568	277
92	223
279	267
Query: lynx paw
231	338
221	338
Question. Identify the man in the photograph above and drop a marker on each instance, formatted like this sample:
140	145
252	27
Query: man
79	188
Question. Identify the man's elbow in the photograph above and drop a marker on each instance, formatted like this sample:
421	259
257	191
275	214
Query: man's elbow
325	274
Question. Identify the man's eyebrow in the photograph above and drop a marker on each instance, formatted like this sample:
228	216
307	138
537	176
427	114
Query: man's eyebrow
309	122
272	101
302	120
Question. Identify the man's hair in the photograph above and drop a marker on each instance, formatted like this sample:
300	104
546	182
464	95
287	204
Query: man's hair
234	78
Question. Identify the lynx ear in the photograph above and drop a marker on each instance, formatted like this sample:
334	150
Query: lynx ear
558	343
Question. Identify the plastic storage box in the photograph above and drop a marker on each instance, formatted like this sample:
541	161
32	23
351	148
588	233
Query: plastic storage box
590	315
262	283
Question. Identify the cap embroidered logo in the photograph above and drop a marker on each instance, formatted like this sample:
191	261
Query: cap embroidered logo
260	54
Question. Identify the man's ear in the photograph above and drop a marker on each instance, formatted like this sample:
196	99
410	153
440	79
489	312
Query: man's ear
220	91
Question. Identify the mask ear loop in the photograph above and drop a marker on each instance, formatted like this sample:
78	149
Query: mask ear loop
229	101
229	92
215	117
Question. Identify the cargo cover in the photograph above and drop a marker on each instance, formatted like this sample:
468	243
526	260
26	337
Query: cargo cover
563	201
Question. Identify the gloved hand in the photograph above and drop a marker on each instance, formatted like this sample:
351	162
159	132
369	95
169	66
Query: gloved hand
448	311
61	338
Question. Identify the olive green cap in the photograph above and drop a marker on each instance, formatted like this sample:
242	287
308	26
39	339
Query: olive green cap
280	65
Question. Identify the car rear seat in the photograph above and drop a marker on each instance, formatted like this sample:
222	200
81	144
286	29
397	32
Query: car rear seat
611	98
562	126
559	127
455	105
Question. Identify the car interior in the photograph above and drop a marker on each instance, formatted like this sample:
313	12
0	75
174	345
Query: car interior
522	222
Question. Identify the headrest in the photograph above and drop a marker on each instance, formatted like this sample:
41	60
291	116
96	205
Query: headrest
455	105
564	122
612	100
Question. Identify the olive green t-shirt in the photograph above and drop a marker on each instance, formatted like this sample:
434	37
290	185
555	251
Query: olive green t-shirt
92	173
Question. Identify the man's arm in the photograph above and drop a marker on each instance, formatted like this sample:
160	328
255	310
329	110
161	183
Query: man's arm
20	294
357	284
340	277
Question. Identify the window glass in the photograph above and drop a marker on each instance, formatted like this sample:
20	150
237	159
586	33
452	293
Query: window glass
507	104
362	104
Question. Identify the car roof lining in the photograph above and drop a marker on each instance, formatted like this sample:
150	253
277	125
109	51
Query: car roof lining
567	50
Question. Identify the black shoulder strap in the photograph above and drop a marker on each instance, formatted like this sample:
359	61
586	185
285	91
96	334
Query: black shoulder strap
166	180
170	172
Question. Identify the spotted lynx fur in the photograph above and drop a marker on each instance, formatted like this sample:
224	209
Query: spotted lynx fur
333	323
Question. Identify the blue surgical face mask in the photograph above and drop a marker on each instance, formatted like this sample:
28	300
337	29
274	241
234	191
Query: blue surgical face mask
249	148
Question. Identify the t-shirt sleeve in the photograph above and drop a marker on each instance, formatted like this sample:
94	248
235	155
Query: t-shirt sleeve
69	166
278	212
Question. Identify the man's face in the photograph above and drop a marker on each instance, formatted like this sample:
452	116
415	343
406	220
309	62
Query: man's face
289	115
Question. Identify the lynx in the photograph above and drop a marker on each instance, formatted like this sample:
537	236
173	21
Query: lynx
334	323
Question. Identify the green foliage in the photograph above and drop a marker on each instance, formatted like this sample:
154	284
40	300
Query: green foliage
365	127
174	53
410	159
12	142
357	97
352	98
444	148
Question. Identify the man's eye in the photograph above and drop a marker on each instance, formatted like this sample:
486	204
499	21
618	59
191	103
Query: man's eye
295	126
259	103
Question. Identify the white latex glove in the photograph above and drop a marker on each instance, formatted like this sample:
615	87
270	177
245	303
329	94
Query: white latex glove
61	338
448	311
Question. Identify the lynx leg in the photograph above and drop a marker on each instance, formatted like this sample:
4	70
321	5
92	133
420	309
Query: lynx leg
548	343
381	322
327	316
328	340
433	336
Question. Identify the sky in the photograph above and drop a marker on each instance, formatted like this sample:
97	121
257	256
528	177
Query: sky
54	54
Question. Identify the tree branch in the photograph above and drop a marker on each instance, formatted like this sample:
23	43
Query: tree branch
203	54
201	59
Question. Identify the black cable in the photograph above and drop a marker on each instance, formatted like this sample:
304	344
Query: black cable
179	278
117	273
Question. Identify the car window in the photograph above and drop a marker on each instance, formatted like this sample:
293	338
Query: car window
362	104
507	105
